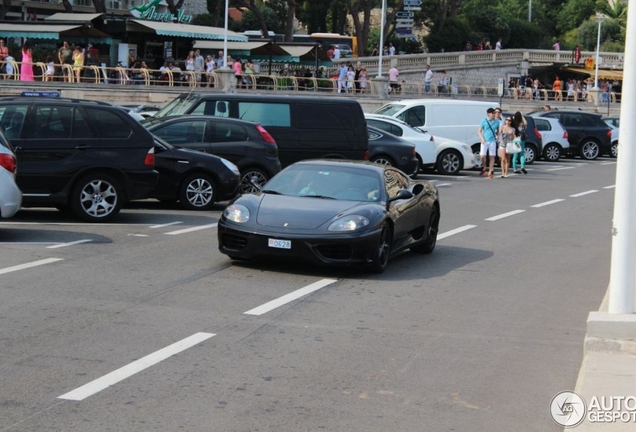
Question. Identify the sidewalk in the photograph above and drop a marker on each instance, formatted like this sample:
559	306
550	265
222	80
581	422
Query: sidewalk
608	369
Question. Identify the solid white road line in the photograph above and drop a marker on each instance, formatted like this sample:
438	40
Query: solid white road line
127	371
61	245
609	187
29	265
166	224
583	193
187	230
455	231
559	169
443	184
608	163
504	215
547	203
260	310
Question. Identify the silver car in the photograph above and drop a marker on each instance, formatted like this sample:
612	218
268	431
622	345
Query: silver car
10	194
554	137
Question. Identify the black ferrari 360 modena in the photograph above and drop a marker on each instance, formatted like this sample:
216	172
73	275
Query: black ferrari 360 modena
333	212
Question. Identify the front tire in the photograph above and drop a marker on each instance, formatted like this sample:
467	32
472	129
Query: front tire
552	153
449	162
97	198
430	241
590	150
382	251
197	192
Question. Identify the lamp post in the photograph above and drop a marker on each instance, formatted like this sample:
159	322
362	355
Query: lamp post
599	20
530	11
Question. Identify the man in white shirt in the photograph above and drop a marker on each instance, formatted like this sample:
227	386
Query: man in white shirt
498	44
336	52
391	49
428	79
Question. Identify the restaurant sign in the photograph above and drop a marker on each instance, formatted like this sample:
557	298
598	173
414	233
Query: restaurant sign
149	12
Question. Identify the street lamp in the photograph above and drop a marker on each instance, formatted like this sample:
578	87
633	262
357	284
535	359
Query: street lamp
599	20
530	11
227	13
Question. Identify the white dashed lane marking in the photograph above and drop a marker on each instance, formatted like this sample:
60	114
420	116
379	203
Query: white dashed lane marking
504	215
188	230
61	245
562	168
609	187
269	306
547	203
584	193
29	265
455	231
127	371
166	224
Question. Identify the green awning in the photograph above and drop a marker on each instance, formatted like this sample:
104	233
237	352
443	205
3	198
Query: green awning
32	31
183	30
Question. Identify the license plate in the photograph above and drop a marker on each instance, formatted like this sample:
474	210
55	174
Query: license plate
279	244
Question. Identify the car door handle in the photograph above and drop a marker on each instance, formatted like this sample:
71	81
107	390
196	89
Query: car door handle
81	147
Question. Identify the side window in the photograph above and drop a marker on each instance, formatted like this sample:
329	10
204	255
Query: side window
324	116
80	126
396	130
373	135
394	181
415	116
182	132
267	114
213	108
12	120
553	115
52	122
571	120
108	124
379	124
542	125
226	132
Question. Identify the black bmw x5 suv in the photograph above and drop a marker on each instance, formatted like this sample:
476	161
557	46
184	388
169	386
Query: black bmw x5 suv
82	156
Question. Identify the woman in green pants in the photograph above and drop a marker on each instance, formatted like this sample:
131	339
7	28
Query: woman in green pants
520	125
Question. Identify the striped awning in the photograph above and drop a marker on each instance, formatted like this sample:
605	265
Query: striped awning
183	30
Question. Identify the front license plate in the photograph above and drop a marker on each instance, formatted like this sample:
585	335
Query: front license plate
279	244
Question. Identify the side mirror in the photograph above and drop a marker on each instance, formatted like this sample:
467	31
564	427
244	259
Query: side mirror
254	182
402	194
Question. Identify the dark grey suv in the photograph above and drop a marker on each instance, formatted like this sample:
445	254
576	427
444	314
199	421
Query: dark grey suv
589	136
82	156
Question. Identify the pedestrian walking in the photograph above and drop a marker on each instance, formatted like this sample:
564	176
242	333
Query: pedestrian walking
428	79
488	131
519	159
394	85
508	133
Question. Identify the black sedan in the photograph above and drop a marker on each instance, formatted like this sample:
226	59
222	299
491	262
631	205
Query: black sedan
388	149
197	180
333	212
246	144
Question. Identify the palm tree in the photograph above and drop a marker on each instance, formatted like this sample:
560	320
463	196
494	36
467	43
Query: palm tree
615	9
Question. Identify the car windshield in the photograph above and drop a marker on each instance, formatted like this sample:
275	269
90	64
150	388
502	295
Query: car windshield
389	109
322	181
180	105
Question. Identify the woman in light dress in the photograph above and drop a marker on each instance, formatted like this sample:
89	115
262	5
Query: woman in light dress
351	75
507	135
209	69
362	80
78	63
50	69
26	68
189	65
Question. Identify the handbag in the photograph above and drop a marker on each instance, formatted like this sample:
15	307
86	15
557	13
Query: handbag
513	147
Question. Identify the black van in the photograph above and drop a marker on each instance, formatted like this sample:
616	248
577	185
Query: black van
303	127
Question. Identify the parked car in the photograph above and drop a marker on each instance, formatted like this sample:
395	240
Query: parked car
588	134
143	110
446	155
333	213
613	121
388	149
196	179
246	144
533	146
10	194
83	156
303	127
555	138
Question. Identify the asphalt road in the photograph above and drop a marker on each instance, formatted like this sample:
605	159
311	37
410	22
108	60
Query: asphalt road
142	325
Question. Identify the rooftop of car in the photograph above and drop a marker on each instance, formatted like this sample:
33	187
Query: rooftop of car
344	163
445	102
268	98
51	100
151	121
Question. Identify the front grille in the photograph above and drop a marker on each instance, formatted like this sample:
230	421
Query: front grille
233	241
335	251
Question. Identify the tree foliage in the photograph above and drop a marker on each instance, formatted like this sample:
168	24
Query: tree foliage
611	30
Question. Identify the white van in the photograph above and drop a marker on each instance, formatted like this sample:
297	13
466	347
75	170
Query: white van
448	118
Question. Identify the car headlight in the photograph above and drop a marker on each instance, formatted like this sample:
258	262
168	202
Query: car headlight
349	223
231	166
237	213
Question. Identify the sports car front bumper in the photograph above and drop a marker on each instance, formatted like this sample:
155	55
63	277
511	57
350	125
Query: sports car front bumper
325	248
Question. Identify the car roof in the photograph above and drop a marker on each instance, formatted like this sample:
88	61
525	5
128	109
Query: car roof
344	163
268	98
568	111
152	121
444	102
53	100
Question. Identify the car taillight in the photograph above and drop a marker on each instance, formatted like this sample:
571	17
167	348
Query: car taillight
366	155
565	134
149	160
609	133
538	133
266	136
413	152
7	162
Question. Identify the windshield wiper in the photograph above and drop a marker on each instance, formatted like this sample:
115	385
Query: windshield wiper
271	191
318	196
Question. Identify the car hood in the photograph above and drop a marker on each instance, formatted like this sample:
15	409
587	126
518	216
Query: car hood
278	211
